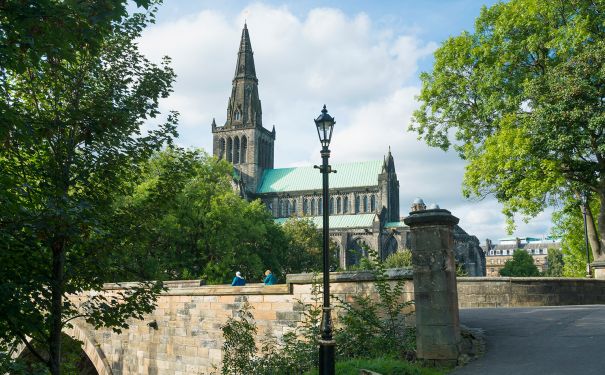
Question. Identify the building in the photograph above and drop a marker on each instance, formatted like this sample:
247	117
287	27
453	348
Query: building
364	196
498	254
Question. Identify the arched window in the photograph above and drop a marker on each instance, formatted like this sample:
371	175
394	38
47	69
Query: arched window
236	150
305	206
320	206
238	115
294	206
312	207
288	208
373	203
331	205
221	148
356	204
244	149
345	205
229	150
282	209
338	205
365	203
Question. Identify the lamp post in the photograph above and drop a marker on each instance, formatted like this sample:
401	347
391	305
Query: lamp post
584	208
327	345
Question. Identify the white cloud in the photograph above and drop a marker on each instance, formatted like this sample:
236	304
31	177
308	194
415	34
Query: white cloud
363	72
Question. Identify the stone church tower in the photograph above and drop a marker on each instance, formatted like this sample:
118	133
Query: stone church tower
389	188
243	140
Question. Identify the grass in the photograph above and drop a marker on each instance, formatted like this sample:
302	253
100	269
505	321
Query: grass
383	366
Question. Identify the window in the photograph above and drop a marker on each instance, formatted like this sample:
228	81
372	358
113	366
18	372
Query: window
320	206
491	252
497	252
356	204
305	206
312	207
236	150
282	209
242	159
229	150
331	205
504	252
294	206
373	203
365	203
338	205
345	205
221	148
238	115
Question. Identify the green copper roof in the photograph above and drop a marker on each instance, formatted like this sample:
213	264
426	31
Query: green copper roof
339	221
394	224
308	178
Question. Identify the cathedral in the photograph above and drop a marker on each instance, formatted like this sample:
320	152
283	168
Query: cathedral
364	196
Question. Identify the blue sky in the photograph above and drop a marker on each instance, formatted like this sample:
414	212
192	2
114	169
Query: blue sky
360	58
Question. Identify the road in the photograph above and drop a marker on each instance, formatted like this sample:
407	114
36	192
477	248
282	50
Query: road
561	340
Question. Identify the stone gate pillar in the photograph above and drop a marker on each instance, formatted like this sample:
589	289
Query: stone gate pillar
435	294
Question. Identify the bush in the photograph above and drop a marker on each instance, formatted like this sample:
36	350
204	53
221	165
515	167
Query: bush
399	259
522	265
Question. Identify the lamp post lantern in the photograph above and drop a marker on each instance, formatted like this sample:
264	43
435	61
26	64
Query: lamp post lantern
327	345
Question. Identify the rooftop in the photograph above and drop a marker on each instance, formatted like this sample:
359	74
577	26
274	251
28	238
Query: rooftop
339	221
359	174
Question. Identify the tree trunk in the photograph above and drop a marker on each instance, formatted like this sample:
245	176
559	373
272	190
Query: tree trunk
599	238
56	308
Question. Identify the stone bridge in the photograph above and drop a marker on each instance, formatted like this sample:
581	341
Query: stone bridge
183	335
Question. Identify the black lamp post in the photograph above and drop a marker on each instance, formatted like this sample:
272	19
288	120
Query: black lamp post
584	208
327	345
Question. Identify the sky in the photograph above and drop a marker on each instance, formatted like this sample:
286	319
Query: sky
360	58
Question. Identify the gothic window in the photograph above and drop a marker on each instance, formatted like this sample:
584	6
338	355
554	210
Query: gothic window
320	206
338	205
221	148
229	150
294	206
238	115
244	149
236	150
373	203
356	204
288	208
312	207
331	205
365	203
305	206
282	210
345	205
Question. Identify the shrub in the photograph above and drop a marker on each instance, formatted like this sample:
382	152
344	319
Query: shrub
399	259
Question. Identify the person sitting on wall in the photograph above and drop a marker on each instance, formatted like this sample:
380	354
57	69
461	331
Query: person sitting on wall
269	278
238	280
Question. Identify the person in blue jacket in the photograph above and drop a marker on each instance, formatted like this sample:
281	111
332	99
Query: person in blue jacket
269	278
238	280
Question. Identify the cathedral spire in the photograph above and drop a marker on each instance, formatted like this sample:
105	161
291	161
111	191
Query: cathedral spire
244	108
245	59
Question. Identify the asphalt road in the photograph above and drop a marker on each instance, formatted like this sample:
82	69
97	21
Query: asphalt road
561	340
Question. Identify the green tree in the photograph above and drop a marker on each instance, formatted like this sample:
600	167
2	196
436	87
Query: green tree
74	94
522	265
555	263
183	220
521	100
305	247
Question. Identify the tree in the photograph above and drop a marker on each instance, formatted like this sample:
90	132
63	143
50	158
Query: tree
522	98
183	221
74	94
305	247
555	263
522	265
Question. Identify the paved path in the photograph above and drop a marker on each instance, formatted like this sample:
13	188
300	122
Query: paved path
562	340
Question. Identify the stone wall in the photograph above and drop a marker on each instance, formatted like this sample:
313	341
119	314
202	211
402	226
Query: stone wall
188	338
528	291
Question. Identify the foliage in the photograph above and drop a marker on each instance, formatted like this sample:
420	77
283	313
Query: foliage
74	95
569	226
375	325
399	259
305	247
384	366
520	98
297	354
521	265
185	221
555	263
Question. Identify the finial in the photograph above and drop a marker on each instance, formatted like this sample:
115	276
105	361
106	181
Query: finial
213	122
324	110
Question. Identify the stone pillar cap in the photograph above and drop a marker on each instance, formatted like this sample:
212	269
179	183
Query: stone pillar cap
431	217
